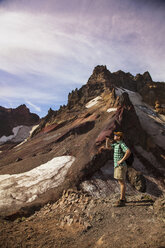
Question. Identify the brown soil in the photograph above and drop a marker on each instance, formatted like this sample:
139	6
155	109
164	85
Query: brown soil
98	224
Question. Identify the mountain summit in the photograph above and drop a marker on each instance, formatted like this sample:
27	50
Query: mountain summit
10	118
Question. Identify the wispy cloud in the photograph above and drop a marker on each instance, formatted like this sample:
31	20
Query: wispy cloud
48	46
34	106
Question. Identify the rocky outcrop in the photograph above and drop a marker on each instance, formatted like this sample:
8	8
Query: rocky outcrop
136	179
158	107
84	94
100	75
152	92
125	120
10	118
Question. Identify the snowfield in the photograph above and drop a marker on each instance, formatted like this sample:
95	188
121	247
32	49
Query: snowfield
17	189
93	102
152	123
111	110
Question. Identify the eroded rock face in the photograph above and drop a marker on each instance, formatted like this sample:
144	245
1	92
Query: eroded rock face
126	120
152	92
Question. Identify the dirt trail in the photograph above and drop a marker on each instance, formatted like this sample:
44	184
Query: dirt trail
81	221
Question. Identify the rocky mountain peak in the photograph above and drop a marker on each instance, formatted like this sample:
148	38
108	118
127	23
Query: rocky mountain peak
23	107
99	69
147	76
100	75
10	118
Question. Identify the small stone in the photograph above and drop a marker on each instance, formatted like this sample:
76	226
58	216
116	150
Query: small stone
46	212
54	207
75	220
70	221
83	208
18	159
18	220
80	220
87	225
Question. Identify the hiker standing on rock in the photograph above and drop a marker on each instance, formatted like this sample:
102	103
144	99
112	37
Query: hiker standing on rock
121	153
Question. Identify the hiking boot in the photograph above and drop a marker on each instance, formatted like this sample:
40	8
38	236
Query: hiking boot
120	203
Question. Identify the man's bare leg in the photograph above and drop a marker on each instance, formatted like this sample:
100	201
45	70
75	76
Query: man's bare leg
122	189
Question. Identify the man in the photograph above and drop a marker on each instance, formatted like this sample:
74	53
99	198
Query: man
121	153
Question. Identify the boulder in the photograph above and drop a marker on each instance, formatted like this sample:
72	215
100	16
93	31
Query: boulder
136	179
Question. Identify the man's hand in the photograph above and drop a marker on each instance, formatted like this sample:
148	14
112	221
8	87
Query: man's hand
101	149
126	155
119	162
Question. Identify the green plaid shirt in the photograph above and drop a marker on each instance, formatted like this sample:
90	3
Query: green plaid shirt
119	150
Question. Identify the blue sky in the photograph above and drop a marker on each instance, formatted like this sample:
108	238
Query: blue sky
48	48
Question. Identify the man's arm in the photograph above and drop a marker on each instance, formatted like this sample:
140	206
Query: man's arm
108	143
126	155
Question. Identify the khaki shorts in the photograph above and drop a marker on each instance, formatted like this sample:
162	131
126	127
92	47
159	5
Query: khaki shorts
120	172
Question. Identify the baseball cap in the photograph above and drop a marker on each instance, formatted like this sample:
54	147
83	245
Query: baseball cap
119	134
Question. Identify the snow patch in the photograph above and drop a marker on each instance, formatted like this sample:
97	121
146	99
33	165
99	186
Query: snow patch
93	102
20	133
28	135
18	189
33	128
21	143
119	91
7	138
137	101
111	110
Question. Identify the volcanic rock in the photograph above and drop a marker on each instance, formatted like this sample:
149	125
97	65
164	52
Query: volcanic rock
136	179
